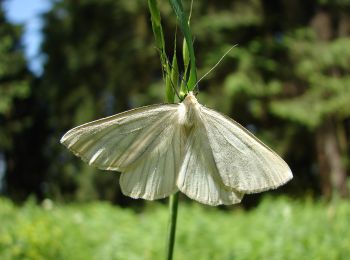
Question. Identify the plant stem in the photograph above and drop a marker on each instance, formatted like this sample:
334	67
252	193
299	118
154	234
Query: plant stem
173	203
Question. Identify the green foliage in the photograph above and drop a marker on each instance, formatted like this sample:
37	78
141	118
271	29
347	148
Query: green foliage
12	64
14	82
22	127
323	69
342	3
277	229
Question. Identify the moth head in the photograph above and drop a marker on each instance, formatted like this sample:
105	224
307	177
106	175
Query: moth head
190	99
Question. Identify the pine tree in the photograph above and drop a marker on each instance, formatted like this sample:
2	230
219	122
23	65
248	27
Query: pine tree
19	131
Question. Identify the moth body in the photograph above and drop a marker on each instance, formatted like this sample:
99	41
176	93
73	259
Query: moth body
188	111
160	149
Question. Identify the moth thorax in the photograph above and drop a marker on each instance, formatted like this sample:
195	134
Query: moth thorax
188	111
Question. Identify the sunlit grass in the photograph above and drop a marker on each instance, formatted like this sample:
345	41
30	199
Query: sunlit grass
278	228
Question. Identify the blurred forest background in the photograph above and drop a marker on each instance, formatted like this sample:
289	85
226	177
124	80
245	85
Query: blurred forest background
287	81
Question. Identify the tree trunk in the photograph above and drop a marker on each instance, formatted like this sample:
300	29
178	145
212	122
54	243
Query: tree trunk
330	165
332	169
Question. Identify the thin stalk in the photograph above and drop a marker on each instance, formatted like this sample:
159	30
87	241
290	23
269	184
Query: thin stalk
173	203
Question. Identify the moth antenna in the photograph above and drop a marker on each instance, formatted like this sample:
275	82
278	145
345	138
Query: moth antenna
207	73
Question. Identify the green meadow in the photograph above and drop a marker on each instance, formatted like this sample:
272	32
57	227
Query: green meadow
279	228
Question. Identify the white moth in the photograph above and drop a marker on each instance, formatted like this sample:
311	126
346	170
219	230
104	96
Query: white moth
160	149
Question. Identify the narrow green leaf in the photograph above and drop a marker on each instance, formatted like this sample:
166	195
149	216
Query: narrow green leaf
158	32
156	24
152	5
160	43
184	26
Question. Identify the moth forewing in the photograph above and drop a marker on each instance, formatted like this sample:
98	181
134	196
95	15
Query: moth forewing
115	142
244	162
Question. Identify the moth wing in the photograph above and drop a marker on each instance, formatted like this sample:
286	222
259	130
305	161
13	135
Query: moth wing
141	143
154	175
243	161
199	178
114	142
